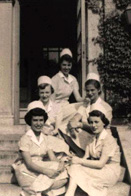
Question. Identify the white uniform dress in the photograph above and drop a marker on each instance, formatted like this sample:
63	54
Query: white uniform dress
84	111
83	137
32	182
96	181
53	109
63	88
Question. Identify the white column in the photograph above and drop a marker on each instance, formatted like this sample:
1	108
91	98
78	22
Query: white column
6	115
9	61
15	60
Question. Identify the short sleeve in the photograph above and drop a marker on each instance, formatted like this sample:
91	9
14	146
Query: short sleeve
109	146
55	82
24	144
75	84
55	86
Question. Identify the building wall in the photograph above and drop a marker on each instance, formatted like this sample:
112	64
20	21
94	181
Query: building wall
7	62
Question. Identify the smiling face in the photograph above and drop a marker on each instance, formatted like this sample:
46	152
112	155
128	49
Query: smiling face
65	67
97	124
92	92
37	123
45	94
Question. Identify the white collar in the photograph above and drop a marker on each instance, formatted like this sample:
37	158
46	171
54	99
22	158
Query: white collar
50	104
102	136
69	79
31	134
98	101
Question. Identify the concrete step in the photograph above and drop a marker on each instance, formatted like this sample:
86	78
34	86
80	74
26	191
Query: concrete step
120	189
9	141
6	176
125	139
12	129
7	158
22	115
9	190
23	112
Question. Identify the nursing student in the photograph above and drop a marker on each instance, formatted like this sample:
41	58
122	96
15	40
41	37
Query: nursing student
64	85
100	168
93	92
39	171
45	90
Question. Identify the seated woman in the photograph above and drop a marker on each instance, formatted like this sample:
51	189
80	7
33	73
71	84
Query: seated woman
46	89
100	166
38	170
93	91
64	85
63	82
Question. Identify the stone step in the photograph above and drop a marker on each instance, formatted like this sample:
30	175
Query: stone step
9	190
9	141
6	176
120	189
23	111
6	173
7	158
12	129
22	115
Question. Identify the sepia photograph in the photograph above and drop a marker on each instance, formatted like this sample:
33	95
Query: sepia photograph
65	104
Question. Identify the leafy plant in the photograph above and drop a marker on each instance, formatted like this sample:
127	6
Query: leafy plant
114	65
122	4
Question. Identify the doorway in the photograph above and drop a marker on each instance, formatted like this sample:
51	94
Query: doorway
46	27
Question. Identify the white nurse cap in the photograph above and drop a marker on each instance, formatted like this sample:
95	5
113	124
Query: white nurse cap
98	107
44	80
66	51
35	104
101	108
93	76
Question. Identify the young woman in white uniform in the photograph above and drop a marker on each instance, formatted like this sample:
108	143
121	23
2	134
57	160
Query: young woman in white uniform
65	84
38	169
100	167
93	91
46	89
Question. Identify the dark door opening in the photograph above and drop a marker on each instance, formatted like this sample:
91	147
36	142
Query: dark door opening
46	27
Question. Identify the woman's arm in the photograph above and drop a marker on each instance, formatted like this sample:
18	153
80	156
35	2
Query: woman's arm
96	164
78	96
52	156
35	168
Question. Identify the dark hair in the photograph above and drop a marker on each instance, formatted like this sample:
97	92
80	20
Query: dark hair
67	58
43	86
96	84
102	116
35	112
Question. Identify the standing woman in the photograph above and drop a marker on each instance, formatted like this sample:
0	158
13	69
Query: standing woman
38	171
100	167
